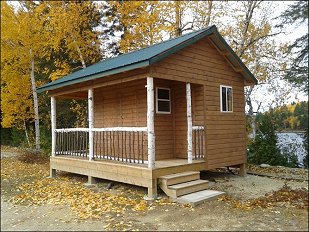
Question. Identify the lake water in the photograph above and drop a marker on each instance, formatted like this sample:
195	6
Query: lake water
292	142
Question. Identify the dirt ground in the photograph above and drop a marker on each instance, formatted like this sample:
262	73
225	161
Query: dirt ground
217	215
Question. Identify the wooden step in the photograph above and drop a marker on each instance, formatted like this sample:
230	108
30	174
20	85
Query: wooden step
178	178
177	190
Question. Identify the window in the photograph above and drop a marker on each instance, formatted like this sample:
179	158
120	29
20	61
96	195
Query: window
226	98
163	101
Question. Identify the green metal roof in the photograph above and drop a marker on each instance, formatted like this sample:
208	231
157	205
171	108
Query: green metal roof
140	58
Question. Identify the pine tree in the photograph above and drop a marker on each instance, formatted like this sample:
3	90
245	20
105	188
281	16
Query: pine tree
297	74
264	148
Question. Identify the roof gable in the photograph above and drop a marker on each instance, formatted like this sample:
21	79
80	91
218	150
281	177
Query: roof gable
142	58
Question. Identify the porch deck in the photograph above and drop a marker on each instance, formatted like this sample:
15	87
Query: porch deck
136	174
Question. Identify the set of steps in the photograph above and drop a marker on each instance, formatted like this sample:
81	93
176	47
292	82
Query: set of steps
187	188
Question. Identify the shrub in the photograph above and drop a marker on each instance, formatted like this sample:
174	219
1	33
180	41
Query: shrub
33	156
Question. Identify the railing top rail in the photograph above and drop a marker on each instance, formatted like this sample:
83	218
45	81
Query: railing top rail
134	129
124	129
198	128
71	129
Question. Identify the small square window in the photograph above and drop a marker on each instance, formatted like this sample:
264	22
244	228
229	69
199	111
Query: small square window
226	98
163	105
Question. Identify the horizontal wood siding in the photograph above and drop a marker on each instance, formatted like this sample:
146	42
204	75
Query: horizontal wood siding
180	108
201	63
121	105
163	123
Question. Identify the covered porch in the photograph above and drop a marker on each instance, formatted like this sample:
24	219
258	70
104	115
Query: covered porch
139	147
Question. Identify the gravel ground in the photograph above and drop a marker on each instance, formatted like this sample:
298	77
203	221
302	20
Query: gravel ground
251	186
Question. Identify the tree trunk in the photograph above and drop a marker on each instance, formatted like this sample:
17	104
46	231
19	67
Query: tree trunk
35	105
80	55
245	29
240	51
251	112
207	22
26	133
178	31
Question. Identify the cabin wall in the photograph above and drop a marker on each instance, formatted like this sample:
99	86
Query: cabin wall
201	63
125	105
164	126
122	105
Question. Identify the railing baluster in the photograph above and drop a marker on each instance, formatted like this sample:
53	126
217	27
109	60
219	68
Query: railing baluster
118	145
103	141
122	146
142	147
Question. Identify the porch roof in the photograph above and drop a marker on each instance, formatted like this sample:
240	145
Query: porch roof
149	55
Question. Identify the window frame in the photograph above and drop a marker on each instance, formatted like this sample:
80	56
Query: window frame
226	98
169	100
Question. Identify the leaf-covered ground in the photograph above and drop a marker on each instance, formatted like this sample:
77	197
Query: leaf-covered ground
26	186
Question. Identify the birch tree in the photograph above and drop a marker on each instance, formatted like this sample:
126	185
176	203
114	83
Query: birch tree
35	47
21	42
139	23
252	37
72	33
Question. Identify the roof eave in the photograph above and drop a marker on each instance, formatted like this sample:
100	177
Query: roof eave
130	67
233	57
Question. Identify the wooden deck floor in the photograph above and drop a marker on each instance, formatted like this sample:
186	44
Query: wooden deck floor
137	174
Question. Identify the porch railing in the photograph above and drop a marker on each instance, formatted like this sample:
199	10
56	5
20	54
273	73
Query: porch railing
198	142
126	144
72	141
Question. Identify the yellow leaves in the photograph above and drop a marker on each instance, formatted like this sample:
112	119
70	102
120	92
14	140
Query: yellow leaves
35	189
11	168
67	191
141	206
83	202
142	22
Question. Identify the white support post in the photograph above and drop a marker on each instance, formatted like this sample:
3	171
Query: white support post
150	123
189	121
90	119
53	124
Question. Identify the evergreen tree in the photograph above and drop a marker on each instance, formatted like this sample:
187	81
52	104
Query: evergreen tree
264	149
298	72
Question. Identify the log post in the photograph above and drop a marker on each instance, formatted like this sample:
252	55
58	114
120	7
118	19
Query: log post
189	122
90	118
150	123
53	124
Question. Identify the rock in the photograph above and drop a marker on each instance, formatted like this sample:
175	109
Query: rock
264	165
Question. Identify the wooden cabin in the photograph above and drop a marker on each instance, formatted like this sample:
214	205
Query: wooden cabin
171	108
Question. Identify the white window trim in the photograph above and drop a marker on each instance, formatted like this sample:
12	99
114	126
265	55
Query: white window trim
221	106
157	99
